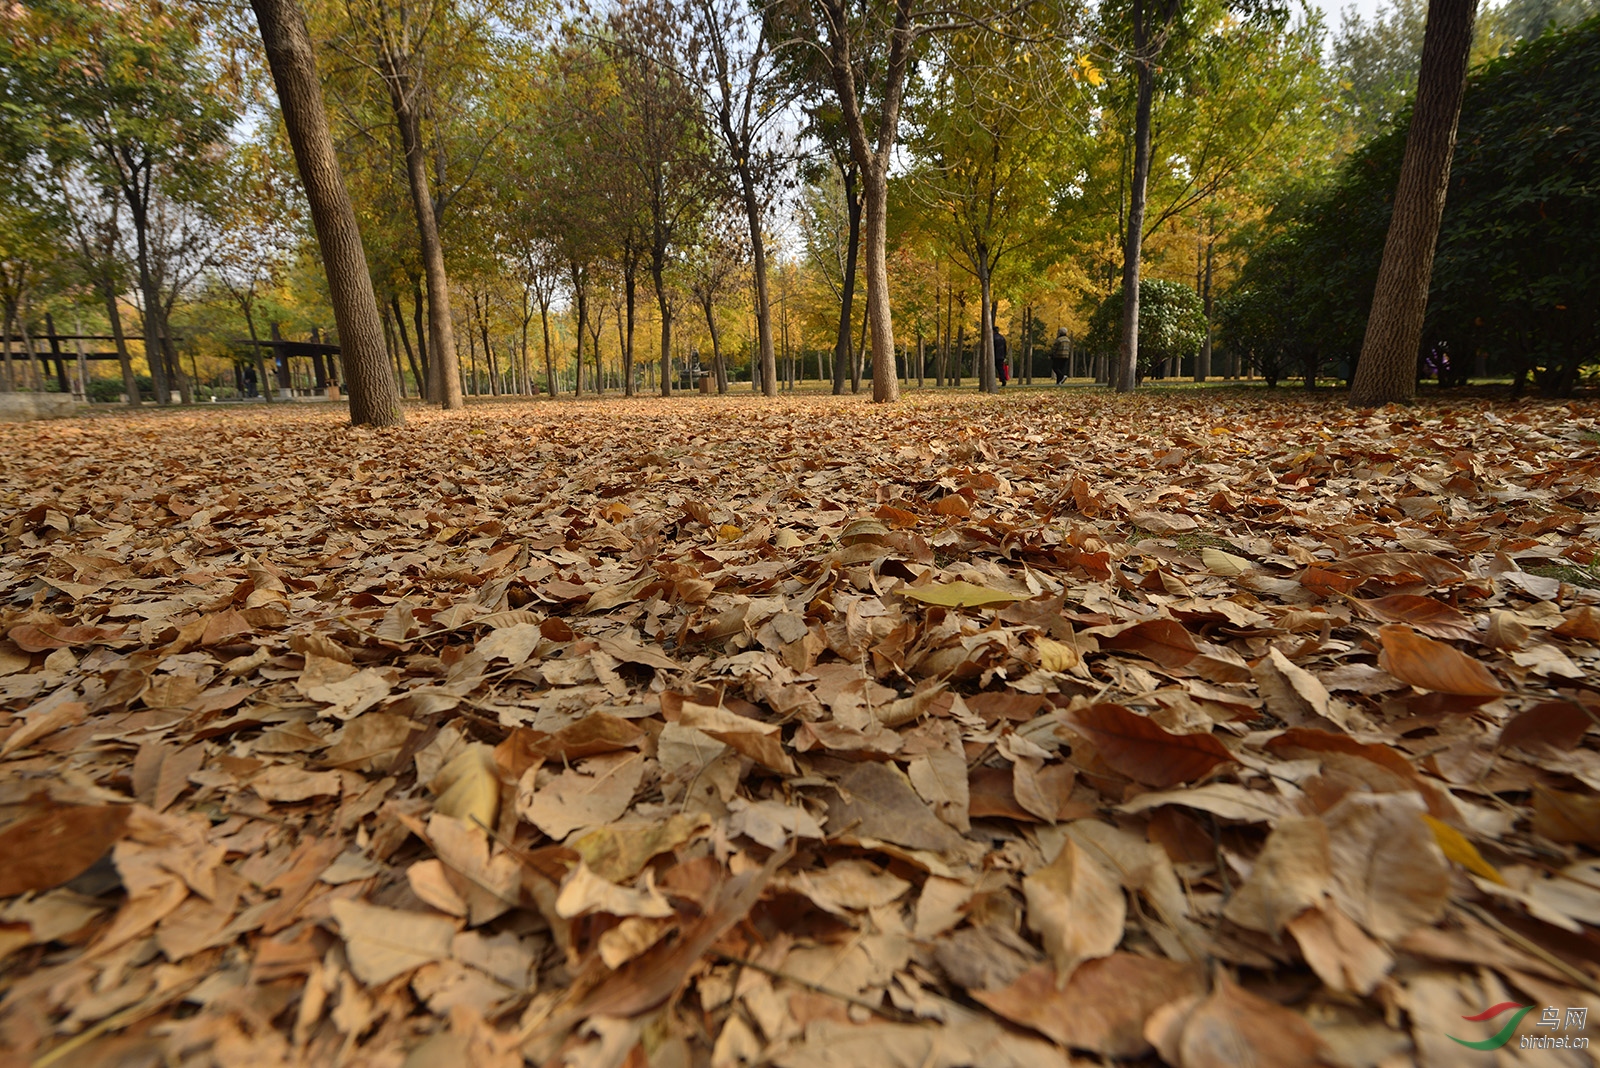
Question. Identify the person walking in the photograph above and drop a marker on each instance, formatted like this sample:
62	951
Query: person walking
1061	355
1002	362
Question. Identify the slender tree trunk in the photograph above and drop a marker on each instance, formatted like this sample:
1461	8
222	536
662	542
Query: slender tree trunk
1128	348
441	328
419	323
373	398
549	359
656	274
630	289
9	385
130	384
255	350
717	366
847	284
987	376
405	340
580	297
1387	370
595	328
758	260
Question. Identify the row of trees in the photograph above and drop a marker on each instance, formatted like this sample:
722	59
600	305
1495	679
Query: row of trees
491	183
1516	280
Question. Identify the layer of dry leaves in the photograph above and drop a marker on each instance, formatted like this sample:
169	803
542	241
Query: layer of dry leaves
1215	730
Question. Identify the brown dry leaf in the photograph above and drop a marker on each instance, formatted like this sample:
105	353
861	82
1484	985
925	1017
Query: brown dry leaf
756	740
619	851
1076	909
350	619
1341	953
383	943
1430	665
1291	874
876	801
1234	1028
584	892
468	788
1144	752
595	791
48	849
1103	1007
1388	872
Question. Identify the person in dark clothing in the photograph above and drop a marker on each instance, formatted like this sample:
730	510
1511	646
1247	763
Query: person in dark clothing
1061	355
249	381
1002	363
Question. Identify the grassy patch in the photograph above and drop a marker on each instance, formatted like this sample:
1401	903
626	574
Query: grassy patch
1577	576
1189	541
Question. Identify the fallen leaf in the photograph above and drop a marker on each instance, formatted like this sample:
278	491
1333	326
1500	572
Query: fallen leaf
1076	910
1389	874
1341	953
383	942
1430	665
1104	1005
1140	749
56	846
959	594
1234	1028
1291	874
596	791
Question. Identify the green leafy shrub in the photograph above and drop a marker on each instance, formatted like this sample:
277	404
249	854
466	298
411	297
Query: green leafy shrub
1172	325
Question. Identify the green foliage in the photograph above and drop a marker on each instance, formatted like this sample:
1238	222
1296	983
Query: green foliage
1172	325
109	390
1517	273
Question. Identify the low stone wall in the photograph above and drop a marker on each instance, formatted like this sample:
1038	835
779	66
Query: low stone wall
26	407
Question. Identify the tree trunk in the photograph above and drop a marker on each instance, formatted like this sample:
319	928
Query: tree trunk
130	384
630	288
752	210
988	379
847	284
1387	370
717	366
549	360
405	340
441	327
875	193
1203	371
255	350
1128	348
374	400
580	298
656	274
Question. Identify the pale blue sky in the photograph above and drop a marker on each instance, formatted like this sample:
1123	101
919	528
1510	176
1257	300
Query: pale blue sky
1332	8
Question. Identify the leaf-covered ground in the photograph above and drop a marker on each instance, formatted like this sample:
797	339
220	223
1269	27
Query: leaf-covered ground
1206	729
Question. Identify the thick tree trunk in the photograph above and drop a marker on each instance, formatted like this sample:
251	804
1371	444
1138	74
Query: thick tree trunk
1387	370
374	400
441	327
1133	245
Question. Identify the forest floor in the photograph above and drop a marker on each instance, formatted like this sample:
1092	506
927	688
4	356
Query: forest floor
1211	728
